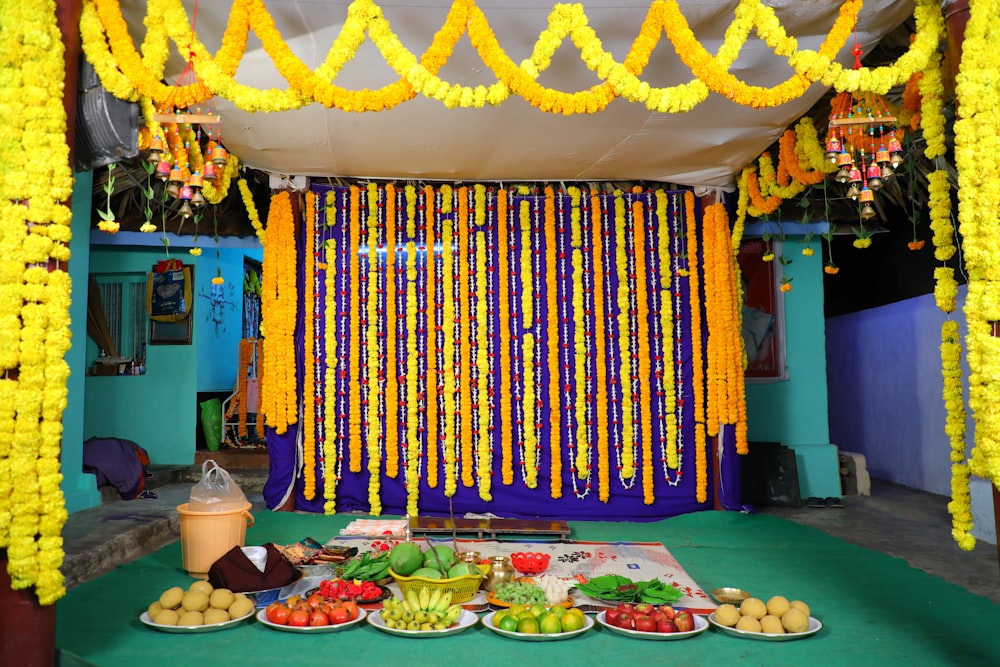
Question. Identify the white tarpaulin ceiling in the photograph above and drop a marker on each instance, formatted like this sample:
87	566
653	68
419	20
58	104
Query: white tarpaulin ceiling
423	140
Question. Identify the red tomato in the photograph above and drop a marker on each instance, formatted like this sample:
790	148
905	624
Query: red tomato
299	618
318	618
339	615
278	613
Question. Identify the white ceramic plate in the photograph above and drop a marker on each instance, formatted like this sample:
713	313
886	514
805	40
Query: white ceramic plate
814	627
466	620
555	636
310	629
192	629
700	625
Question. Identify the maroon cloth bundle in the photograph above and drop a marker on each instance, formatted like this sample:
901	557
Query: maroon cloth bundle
238	573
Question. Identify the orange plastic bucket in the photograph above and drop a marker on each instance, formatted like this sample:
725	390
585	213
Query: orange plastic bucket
207	536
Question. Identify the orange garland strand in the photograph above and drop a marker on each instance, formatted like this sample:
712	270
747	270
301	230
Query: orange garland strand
642	362
354	382
552	338
465	400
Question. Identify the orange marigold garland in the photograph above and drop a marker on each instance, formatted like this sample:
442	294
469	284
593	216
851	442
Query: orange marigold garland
505	339
392	335
355	388
643	223
431	329
552	340
309	384
697	362
602	438
465	377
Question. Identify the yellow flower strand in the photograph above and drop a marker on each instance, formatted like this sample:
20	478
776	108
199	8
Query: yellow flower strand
251	209
484	448
667	330
372	379
552	355
697	362
580	341
309	384
527	291
960	505
627	454
331	353
713	347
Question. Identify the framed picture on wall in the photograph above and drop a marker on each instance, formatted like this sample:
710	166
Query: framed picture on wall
763	311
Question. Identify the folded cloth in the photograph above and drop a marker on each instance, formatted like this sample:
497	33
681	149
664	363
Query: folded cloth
375	527
235	571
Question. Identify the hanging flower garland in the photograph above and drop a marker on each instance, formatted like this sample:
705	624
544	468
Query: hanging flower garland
391	331
552	343
582	342
372	334
333	334
465	373
625	265
598	224
449	335
672	449
643	224
412	462
310	368
354	282
109	46
960	505
429	416
251	209
504	386
697	360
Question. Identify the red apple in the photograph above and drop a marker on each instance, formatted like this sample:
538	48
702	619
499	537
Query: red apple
667	611
666	626
626	621
643	608
627	606
611	615
645	623
657	615
684	621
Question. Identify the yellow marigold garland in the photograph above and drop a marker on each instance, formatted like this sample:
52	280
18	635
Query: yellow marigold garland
331	450
372	380
127	75
451	331
309	383
580	440
413	449
960	506
626	455
465	400
431	391
392	341
251	208
484	446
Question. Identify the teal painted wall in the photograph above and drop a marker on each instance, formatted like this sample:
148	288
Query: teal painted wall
156	410
79	489
794	411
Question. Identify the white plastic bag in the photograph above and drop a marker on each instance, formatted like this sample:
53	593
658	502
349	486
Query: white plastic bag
216	491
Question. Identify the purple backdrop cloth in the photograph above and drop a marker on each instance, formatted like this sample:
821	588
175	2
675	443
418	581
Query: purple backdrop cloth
673	497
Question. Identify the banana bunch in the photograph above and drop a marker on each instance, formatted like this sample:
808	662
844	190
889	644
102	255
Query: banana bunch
425	609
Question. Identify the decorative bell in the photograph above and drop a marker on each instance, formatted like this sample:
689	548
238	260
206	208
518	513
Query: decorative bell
185	210
210	174
833	149
874	175
163	170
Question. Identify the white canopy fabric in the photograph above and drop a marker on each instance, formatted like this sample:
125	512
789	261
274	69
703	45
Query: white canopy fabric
423	140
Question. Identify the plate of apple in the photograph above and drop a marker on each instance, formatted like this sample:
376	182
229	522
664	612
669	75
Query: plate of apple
655	622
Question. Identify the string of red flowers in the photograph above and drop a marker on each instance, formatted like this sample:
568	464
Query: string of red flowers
697	361
672	443
625	265
581	342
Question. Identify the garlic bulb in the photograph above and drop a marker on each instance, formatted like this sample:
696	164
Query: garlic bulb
555	589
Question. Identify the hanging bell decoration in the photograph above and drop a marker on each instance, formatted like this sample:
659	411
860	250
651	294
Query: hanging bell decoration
895	153
176	179
220	156
156	148
866	197
195	182
185	193
833	149
874	176
882	156
185	210
163	170
845	162
210	173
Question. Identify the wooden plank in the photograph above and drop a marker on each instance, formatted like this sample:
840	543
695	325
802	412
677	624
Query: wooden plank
193	118
858	120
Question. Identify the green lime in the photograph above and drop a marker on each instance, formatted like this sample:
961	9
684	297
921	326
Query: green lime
499	616
528	625
508	623
549	624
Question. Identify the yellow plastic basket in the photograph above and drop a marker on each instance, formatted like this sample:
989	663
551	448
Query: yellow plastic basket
462	588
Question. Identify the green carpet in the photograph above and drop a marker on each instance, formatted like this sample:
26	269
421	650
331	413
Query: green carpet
876	610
